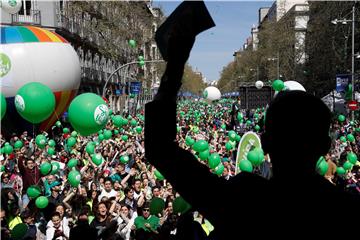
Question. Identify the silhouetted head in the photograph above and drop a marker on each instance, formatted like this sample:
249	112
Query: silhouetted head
296	132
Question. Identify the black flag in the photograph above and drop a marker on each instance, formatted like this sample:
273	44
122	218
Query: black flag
189	19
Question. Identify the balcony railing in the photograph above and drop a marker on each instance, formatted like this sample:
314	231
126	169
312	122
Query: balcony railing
33	18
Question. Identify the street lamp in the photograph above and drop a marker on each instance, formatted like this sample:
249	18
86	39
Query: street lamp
278	64
353	55
121	67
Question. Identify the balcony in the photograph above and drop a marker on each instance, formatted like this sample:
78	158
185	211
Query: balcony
34	18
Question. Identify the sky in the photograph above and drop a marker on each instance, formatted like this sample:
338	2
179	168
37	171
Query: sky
215	47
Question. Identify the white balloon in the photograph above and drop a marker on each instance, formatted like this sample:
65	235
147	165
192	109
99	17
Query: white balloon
54	64
259	84
212	93
11	6
293	85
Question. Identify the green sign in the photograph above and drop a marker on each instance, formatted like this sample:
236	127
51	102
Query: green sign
5	64
248	141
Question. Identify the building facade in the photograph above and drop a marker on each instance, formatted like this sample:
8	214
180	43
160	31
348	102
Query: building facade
100	32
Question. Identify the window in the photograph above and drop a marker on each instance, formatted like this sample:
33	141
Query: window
25	7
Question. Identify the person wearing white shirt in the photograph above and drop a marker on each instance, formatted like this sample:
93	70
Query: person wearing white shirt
58	231
108	190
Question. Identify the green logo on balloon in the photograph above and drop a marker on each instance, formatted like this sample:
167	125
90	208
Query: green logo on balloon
19	103
101	114
5	64
205	94
12	3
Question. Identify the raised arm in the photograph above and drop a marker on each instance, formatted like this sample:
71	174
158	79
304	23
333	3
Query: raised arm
190	178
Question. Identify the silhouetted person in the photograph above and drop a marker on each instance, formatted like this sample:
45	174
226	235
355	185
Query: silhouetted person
295	201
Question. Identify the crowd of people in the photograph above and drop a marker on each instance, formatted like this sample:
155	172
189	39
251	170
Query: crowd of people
118	198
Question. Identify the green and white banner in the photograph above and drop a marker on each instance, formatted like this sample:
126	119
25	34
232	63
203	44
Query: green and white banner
248	141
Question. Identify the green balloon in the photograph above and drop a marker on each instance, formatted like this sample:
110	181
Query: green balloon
347	165
125	121
51	143
66	130
35	102
71	141
256	156
341	118
74	178
189	141
219	169
51	151
74	134
322	166
133	122
41	202
19	231
2	106
142	63
239	116
141	58
214	160
228	146
223	126
180	205
116	132
157	205
33	191
343	139
200	146
88	113
248	122
340	171
101	137
107	134
58	124
204	155
257	128
72	163
55	166
158	175
138	129
232	135
90	147
40	141
132	43
8	149
97	159
45	168
124	159
238	138
350	137
117	120
245	166
351	157
124	138
278	85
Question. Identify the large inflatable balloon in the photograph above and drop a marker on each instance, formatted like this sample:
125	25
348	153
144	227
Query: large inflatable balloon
212	93
35	102
88	113
293	85
11	6
32	54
